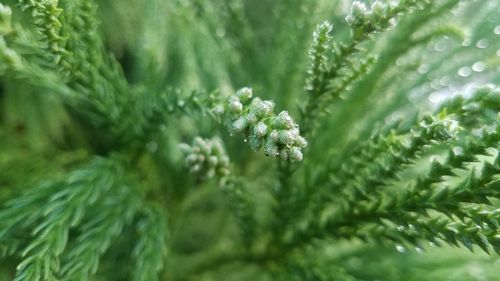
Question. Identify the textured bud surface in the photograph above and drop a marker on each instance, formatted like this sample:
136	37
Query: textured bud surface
278	135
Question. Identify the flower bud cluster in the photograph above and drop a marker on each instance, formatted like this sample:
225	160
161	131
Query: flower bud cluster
379	14
278	136
207	157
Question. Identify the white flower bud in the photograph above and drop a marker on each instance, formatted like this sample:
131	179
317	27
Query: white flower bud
271	149
195	168
379	9
244	94
300	142
263	108
359	9
295	154
284	154
191	158
260	129
287	137
284	121
240	124
252	118
274	136
235	106
185	148
212	160
219	110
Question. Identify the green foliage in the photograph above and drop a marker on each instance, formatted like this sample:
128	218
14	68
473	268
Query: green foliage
114	163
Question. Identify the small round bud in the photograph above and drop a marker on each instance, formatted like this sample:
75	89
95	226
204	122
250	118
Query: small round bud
379	9
235	106
287	137
240	124
191	158
244	94
260	129
300	142
195	168
284	121
295	154
219	110
212	160
263	108
274	136
271	149
252	118
185	148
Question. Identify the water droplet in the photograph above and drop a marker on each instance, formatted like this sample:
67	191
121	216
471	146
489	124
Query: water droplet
466	42
498	53
483	43
245	140
440	46
220	32
464	71
497	30
424	68
432	244
401	228
479	66
419	250
400	249
445	81
438	97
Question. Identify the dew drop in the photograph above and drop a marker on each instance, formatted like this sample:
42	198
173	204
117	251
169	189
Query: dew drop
498	53
400	249
424	68
419	250
220	31
483	43
438	97
497	30
432	244
479	66
464	71
440	47
401	228
245	140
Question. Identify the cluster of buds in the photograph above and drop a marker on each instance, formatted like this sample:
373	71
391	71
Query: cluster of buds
278	136
377	15
207	158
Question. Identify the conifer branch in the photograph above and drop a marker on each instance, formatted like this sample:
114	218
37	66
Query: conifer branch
69	200
151	249
97	232
346	68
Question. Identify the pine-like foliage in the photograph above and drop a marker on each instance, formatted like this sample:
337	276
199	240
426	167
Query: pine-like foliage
249	140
